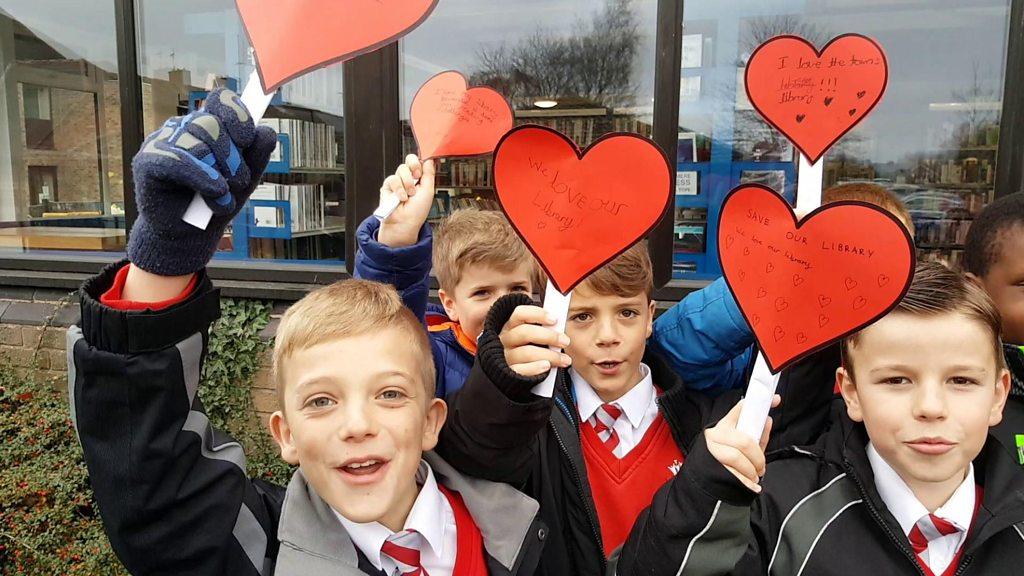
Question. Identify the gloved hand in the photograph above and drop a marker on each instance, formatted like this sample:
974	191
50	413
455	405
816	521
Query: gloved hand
216	151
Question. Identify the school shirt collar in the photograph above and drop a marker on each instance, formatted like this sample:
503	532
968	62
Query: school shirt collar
425	518
634	404
907	509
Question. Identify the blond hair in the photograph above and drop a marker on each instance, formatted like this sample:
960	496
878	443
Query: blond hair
872	194
343	310
937	290
629	274
472	237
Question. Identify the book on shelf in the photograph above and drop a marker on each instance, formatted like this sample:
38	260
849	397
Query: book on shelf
471	173
313	145
308	208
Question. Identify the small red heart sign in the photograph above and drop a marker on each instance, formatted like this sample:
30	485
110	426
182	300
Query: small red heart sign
577	211
812	97
803	286
294	37
450	119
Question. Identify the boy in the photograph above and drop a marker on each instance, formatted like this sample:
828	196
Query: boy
477	259
617	428
722	356
358	414
994	259
907	482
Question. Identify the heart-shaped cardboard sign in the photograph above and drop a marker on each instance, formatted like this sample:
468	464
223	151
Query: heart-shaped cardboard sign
291	38
577	211
450	119
803	286
812	97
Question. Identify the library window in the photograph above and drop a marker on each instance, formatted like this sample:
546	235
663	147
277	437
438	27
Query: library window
60	125
297	214
932	141
583	67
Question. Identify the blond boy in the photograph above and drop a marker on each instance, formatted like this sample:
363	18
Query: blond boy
477	258
358	416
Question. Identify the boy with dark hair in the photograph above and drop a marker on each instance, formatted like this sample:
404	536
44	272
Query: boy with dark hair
618	426
994	259
907	482
358	414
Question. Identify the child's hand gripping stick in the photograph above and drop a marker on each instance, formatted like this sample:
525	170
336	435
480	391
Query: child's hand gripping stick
557	305
256	101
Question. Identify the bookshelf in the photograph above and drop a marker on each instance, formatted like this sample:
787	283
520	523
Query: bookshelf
298	210
467	182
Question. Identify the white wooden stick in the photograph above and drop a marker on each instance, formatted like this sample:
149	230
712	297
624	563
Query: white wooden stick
256	101
556	304
761	389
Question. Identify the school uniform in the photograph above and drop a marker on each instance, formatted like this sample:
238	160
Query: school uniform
173	491
829	509
591	467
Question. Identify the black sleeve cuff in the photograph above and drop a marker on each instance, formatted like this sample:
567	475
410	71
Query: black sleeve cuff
135	332
491	353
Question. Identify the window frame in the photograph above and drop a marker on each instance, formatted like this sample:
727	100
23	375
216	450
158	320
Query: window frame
373	147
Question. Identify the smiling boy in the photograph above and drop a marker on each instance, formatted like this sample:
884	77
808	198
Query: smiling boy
358	416
909	481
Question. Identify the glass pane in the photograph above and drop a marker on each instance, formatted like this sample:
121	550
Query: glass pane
61	180
932	140
297	214
583	67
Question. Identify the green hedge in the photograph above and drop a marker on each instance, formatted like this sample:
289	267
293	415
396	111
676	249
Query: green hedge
49	523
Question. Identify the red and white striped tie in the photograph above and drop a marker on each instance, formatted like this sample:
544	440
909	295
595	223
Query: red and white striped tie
603	422
403	548
929	528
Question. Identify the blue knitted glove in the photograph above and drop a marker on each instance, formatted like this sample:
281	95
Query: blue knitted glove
216	151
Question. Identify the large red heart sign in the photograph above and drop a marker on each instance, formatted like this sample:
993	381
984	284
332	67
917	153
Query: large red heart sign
291	38
813	97
803	286
576	211
450	119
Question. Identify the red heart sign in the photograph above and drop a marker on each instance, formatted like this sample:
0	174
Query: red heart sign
448	119
813	97
576	211
294	37
803	286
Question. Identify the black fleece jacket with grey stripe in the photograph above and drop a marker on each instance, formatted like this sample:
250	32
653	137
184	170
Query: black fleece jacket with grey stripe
173	491
819	514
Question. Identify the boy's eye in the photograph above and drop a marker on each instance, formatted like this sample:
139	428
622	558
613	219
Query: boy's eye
519	289
963	381
581	317
320	402
895	380
630	313
480	294
392	395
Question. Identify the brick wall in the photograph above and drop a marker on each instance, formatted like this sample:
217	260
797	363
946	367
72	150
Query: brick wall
33	328
33	324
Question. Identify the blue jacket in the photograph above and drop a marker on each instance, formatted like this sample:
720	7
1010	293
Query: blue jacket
408	270
706	340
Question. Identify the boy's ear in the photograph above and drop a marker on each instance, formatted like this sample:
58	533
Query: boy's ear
437	413
650	318
449	305
283	436
848	388
1002	392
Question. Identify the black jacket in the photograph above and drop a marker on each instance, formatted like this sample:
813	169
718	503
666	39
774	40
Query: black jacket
1012	426
534	443
819	514
172	490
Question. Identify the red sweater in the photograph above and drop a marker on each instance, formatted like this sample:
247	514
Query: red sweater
623	488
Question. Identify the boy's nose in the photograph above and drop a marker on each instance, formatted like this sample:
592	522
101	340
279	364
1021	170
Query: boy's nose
357	424
607	334
930	402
